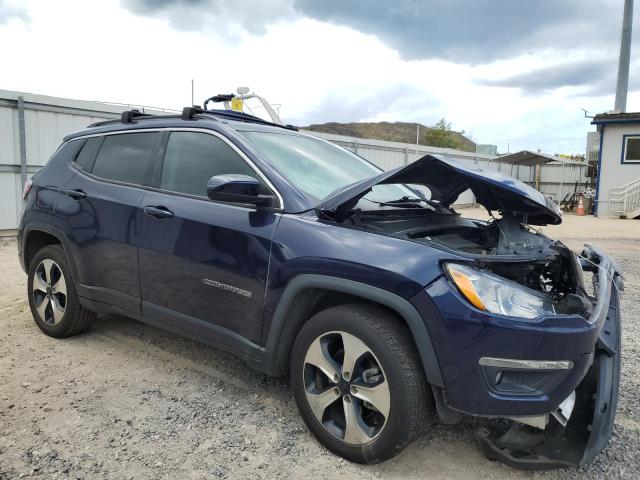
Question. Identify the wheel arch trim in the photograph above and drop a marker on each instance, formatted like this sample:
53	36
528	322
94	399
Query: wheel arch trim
34	227
399	305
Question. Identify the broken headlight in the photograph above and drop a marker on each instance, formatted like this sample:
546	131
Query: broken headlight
497	294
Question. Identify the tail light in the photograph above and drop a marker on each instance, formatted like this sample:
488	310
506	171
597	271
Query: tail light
26	189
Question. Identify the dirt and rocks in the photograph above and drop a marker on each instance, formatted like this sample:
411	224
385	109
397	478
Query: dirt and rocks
128	401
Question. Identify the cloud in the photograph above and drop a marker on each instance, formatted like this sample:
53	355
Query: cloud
570	74
8	12
606	84
471	31
228	17
475	31
371	103
323	68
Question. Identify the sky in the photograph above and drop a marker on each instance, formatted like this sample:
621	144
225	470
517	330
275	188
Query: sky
512	73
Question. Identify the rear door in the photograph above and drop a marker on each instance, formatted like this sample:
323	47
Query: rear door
203	264
101	214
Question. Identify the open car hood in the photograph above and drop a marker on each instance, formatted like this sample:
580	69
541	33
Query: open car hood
447	179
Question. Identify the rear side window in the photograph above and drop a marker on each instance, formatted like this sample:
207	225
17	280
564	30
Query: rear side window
192	158
66	153
125	157
87	155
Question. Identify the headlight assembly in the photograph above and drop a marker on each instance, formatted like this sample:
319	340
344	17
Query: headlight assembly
497	294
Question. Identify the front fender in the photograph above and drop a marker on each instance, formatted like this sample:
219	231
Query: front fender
281	329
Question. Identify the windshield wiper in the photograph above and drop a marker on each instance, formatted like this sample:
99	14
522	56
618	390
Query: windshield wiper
409	201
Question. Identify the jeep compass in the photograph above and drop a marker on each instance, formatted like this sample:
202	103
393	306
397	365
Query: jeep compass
385	306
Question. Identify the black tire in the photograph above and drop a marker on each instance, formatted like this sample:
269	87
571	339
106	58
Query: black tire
390	342
75	319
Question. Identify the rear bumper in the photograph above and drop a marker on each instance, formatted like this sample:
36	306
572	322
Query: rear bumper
566	352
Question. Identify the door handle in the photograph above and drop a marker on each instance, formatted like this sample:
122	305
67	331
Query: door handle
76	193
158	211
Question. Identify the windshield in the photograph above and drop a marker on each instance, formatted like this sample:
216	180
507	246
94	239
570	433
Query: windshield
318	168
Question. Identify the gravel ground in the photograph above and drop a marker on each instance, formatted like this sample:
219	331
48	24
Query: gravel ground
126	400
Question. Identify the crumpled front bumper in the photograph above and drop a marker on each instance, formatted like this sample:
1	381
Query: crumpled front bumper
591	423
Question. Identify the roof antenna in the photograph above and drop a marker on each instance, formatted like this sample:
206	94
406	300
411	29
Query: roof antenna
586	113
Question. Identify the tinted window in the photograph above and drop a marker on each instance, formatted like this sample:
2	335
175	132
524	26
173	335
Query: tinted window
319	168
88	153
125	157
67	152
632	152
193	158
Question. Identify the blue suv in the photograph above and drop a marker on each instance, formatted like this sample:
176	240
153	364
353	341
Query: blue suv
386	307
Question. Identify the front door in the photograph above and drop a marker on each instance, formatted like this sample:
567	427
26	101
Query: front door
203	264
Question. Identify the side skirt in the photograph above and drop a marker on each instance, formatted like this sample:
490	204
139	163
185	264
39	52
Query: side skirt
189	327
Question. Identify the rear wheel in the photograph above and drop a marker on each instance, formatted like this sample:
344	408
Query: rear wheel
52	295
357	382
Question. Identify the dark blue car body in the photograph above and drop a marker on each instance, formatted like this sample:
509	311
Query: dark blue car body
272	267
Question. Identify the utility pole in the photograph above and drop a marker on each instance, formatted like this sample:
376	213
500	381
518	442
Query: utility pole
192	101
625	55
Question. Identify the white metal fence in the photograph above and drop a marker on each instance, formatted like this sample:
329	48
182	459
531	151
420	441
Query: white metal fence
556	178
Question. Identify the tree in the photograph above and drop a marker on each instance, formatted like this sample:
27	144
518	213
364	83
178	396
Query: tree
440	135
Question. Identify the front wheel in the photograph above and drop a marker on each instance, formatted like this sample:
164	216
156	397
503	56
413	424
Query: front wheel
358	383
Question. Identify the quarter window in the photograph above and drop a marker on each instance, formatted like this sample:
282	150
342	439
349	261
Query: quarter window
631	147
87	155
192	158
125	157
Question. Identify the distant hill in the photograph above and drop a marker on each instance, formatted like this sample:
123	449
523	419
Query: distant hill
392	132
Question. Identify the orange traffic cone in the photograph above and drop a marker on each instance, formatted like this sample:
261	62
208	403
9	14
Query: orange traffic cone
580	210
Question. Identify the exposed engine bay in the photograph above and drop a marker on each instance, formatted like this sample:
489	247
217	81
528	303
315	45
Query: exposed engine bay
507	247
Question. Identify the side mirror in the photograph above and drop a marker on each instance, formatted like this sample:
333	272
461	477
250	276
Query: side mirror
235	188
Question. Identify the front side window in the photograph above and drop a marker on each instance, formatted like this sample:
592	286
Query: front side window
125	157
631	152
192	158
319	168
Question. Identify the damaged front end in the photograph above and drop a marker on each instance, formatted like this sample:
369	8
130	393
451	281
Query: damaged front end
582	424
514	279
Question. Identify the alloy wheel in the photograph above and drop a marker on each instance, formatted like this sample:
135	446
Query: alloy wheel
346	388
49	290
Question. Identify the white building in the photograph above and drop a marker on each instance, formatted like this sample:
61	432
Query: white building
618	184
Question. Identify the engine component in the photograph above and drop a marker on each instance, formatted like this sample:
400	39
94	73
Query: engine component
516	239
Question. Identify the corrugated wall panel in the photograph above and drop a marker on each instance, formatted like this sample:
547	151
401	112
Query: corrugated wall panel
46	129
8	197
9	148
47	121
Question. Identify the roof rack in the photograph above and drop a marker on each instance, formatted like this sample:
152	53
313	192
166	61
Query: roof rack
128	119
129	115
245	117
189	113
